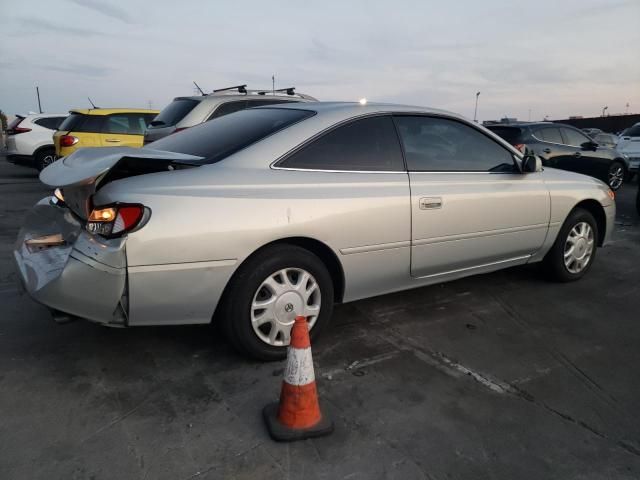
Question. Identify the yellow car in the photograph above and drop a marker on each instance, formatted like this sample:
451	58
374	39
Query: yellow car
102	127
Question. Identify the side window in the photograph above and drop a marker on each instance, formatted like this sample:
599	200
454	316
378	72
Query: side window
227	108
48	122
260	103
573	137
369	144
551	135
434	144
137	124
117	123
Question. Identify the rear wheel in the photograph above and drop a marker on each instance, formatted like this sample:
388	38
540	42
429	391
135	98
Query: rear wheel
616	175
44	158
574	250
268	292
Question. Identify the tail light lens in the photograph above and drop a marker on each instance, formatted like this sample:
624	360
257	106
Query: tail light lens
68	140
116	220
521	146
17	130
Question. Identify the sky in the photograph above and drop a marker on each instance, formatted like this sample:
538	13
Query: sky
530	59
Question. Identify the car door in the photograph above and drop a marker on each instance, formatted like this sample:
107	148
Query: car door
356	172
471	207
116	131
550	145
587	158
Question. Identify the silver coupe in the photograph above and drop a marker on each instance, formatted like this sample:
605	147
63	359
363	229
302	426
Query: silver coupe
261	215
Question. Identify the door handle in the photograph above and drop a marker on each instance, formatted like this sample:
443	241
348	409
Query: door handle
430	203
112	140
547	150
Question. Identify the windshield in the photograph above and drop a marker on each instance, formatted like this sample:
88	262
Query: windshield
174	112
226	135
632	131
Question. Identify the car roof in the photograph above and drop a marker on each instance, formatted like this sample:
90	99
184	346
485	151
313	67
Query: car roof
352	109
229	97
109	111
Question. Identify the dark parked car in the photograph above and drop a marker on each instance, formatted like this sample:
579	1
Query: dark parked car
567	148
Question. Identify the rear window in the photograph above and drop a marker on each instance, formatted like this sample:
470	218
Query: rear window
78	122
226	135
513	135
174	112
632	131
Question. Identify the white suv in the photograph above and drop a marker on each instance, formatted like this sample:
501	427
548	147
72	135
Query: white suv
185	112
30	139
629	144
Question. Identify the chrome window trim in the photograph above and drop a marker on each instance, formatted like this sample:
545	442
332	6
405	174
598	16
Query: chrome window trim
274	165
398	171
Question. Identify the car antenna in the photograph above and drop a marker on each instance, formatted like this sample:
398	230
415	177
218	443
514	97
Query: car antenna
92	104
201	91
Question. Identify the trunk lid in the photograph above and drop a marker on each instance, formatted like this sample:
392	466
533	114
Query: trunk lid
80	174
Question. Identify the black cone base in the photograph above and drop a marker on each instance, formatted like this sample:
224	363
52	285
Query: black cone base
280	433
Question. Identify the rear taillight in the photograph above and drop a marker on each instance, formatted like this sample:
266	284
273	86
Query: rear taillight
17	130
116	220
68	140
520	146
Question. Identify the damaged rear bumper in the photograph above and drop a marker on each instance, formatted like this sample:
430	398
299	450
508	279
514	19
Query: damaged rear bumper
63	267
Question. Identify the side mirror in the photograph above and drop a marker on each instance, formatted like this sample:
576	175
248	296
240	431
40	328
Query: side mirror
589	145
531	162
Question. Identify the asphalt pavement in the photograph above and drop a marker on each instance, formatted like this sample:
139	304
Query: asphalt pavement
499	376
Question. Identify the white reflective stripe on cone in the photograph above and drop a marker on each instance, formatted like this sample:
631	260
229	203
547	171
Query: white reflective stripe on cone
299	369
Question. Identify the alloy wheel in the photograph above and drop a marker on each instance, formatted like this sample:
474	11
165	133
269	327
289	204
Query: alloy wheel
616	176
579	247
281	297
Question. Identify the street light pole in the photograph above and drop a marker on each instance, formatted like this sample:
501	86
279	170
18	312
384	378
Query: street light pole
603	110
475	112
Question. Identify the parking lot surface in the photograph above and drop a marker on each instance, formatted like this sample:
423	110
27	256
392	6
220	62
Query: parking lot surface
501	376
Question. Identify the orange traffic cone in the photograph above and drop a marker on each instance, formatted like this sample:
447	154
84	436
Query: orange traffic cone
298	415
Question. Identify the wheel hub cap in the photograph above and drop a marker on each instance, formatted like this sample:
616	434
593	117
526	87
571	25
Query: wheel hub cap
281	297
616	177
579	247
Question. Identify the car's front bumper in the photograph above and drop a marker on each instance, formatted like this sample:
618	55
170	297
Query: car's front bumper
68	270
634	163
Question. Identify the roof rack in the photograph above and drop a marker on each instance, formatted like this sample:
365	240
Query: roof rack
239	88
242	89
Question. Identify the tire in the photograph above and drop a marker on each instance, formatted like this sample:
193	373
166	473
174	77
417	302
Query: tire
239	313
616	175
554	262
44	158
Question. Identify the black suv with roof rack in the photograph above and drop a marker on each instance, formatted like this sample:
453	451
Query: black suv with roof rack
567	148
185	112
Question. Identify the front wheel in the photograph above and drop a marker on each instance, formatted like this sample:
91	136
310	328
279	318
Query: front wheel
574	250
268	292
616	175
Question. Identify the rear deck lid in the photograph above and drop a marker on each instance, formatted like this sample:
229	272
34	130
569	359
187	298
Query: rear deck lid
80	174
